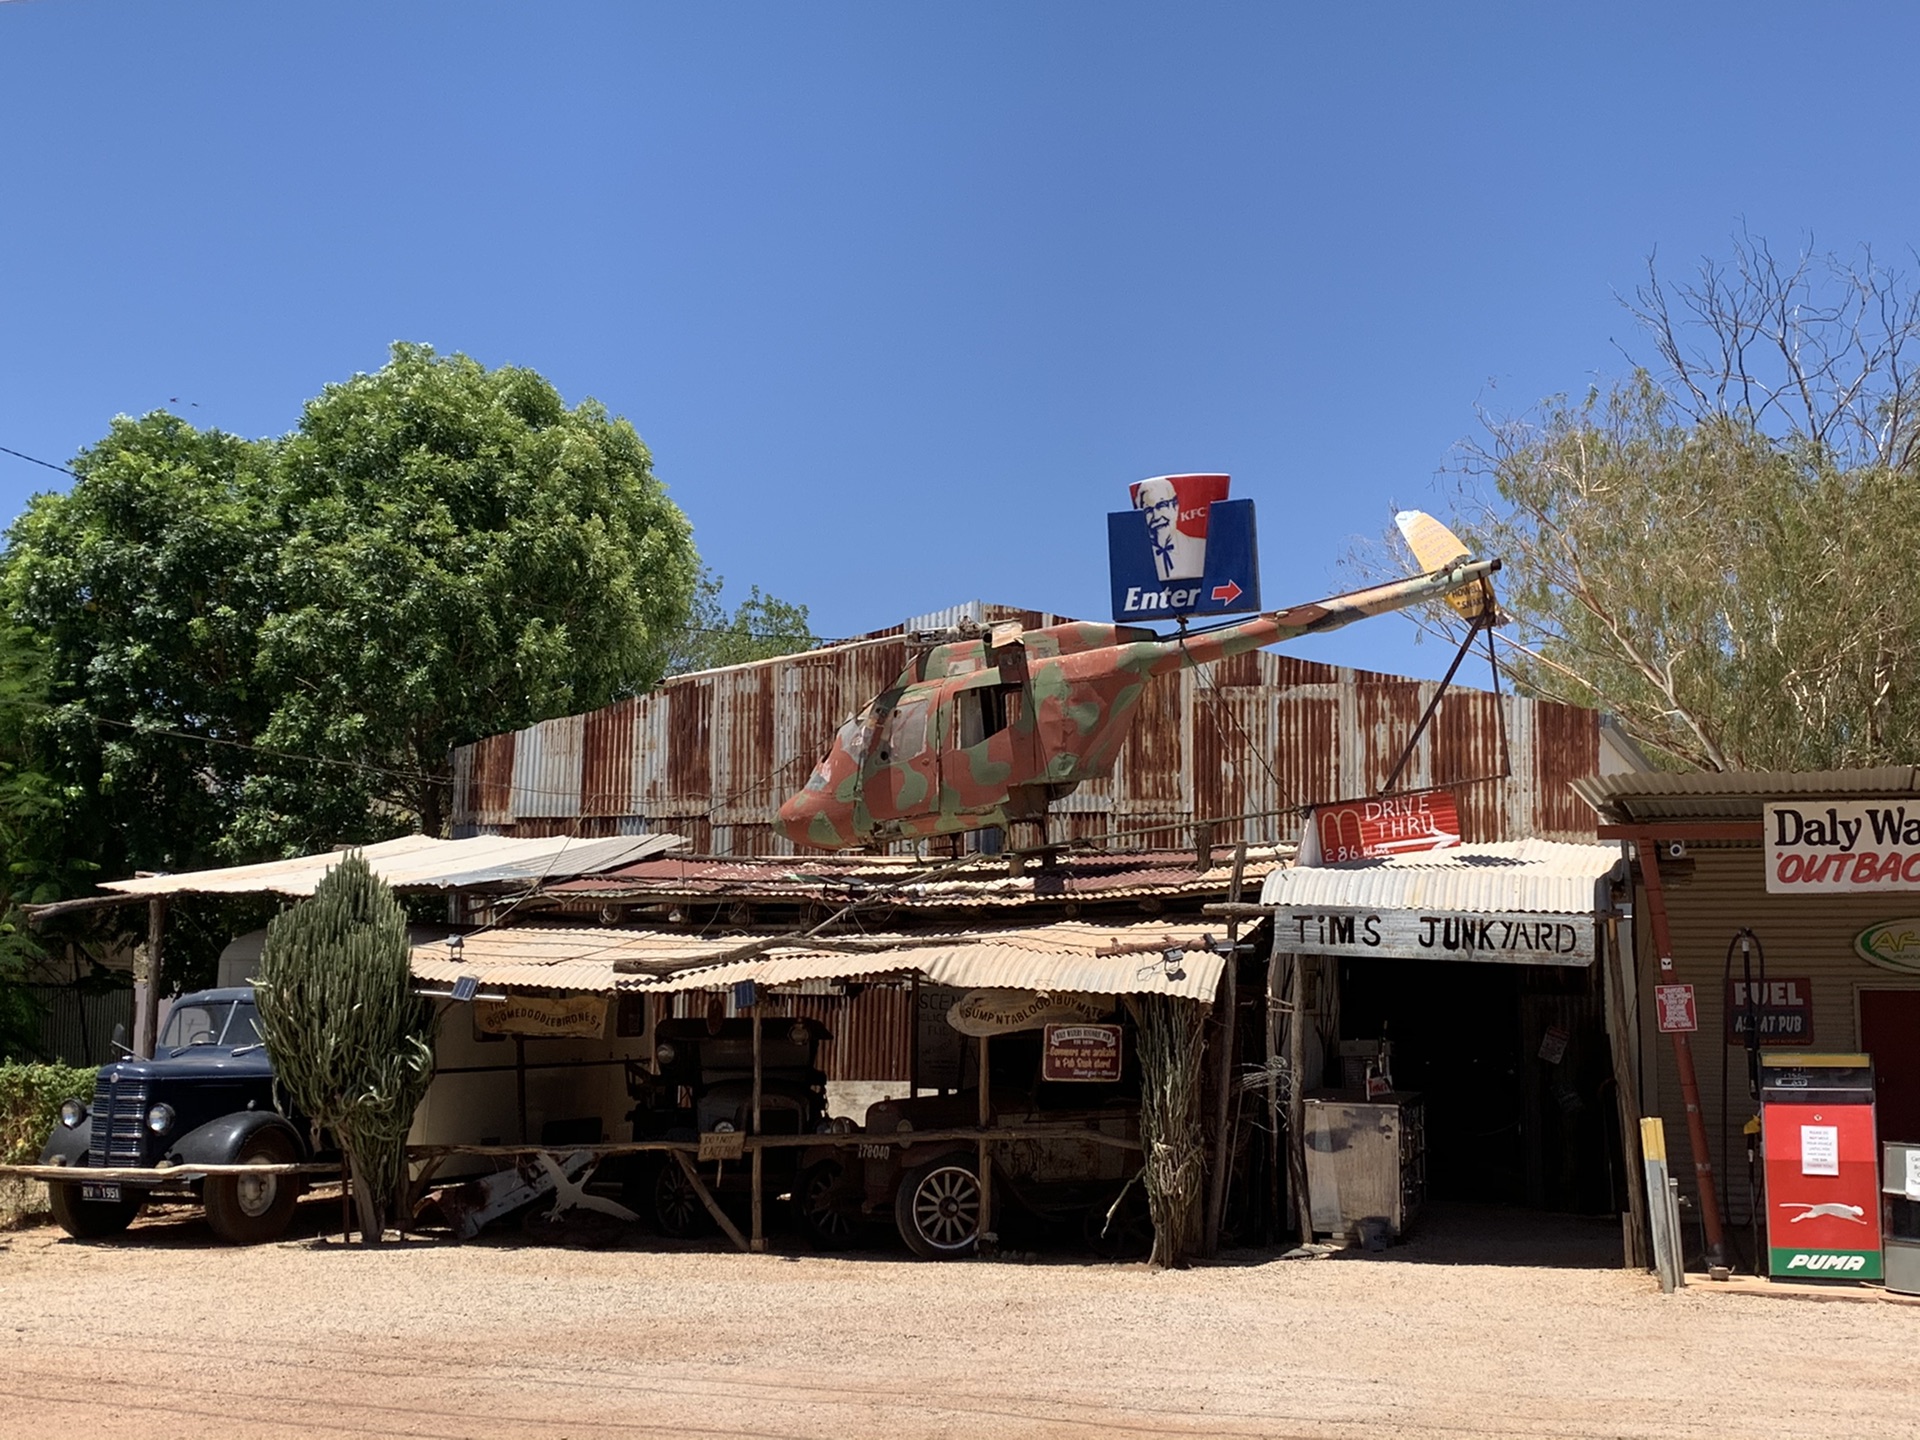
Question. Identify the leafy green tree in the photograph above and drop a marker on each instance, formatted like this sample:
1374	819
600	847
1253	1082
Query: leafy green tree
260	647
1719	552
351	1044
760	628
463	555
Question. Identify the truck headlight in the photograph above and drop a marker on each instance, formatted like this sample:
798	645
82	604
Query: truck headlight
723	1127
663	1053
160	1118
72	1113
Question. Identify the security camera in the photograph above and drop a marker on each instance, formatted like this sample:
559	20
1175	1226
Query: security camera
1676	849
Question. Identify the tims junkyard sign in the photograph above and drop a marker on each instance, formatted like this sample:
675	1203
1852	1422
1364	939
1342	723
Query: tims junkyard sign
1833	846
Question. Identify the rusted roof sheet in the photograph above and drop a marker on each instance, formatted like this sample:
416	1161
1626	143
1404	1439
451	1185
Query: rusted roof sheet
984	881
1065	957
1731	795
540	957
1523	876
1072	956
417	862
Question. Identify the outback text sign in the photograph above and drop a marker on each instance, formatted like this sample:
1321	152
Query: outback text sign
1436	935
1840	846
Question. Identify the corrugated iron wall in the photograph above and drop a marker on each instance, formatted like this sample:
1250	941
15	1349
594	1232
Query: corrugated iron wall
712	755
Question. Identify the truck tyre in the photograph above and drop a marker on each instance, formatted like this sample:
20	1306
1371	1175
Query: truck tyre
937	1208
678	1212
251	1210
92	1219
829	1223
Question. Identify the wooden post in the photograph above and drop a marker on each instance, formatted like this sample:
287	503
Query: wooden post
759	1219
146	997
520	1081
1297	1096
986	1150
1648	850
1226	1036
1275	1159
1626	1092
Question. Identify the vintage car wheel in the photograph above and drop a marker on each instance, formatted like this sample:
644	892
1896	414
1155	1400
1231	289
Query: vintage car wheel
677	1211
937	1208
92	1219
826	1222
253	1209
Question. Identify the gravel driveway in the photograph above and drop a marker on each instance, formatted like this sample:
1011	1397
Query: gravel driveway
165	1334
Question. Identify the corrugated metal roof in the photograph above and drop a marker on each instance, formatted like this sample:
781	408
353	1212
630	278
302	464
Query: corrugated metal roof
417	862
1062	957
1516	876
540	957
840	878
1733	794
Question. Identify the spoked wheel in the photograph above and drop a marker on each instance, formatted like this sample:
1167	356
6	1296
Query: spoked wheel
817	1198
938	1209
677	1211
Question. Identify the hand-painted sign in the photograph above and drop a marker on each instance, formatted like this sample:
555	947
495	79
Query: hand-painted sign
1841	846
1392	825
1676	1009
1184	549
1784	1009
1892	944
575	1016
1081	1052
1436	935
1000	1012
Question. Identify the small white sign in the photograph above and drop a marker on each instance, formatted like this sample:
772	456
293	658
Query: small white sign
1913	1174
1819	1149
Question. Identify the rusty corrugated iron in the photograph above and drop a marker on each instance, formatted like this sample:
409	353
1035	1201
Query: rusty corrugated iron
710	755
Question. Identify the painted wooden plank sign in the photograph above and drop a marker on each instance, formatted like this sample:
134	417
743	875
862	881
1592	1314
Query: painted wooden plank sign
1081	1052
1503	938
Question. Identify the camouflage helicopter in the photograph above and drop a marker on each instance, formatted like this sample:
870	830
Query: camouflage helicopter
990	730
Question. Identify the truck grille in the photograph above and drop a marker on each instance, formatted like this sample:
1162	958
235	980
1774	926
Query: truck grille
119	1120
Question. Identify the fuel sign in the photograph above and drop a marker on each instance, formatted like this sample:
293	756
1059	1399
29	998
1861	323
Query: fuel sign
1782	1010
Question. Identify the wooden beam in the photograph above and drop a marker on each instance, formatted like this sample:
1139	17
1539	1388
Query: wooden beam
986	1153
692	1172
53	909
759	1201
1687	830
146	982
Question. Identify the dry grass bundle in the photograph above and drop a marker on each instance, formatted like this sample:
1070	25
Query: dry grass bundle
1171	1051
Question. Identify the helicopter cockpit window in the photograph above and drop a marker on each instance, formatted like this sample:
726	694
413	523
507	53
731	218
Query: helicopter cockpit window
903	734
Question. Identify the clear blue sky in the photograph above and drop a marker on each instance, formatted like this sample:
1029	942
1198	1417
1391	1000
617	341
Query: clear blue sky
903	296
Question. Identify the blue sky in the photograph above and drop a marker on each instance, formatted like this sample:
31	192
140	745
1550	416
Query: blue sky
903	296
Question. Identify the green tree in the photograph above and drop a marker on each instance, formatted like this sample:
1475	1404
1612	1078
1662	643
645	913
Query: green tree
1719	552
463	555
260	647
760	628
351	1044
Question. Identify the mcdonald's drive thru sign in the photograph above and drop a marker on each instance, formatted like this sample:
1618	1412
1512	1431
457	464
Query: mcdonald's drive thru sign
1390	825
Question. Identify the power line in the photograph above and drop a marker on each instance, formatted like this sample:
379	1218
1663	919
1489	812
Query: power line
36	460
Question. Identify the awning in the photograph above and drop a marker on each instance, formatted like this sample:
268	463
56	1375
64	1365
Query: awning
1529	902
1070	957
419	862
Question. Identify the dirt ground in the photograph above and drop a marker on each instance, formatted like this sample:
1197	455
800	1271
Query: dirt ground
1458	1334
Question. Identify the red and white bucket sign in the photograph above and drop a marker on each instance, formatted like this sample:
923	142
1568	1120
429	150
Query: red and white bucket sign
1177	507
1676	1007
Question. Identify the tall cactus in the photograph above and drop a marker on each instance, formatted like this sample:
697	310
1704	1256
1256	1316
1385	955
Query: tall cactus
351	1044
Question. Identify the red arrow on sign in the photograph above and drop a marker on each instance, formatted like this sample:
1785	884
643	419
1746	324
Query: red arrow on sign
1228	592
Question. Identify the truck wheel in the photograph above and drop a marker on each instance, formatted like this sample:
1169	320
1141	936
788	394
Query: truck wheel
937	1208
250	1209
817	1197
92	1219
677	1210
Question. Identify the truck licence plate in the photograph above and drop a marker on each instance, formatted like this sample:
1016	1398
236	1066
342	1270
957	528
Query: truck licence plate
109	1193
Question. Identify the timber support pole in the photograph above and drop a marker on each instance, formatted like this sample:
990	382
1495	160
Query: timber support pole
146	994
1649	852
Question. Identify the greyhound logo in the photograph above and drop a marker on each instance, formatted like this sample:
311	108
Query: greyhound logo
1832	1210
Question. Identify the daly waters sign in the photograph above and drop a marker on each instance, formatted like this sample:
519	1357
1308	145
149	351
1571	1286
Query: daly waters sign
1839	846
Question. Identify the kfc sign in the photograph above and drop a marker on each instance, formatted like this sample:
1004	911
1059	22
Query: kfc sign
1841	846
